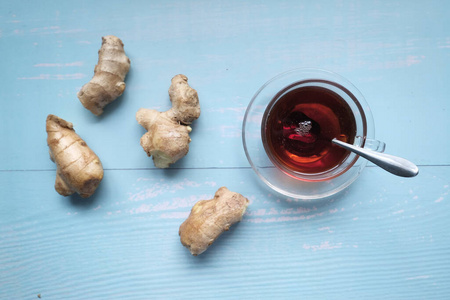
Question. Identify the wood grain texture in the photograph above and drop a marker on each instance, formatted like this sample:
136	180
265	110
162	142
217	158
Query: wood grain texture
396	53
384	237
388	239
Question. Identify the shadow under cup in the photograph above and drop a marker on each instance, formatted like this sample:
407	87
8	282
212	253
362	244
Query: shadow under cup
296	183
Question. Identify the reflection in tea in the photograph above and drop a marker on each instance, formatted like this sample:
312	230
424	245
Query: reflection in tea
299	128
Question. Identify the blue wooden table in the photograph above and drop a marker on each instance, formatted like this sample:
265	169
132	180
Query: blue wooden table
384	237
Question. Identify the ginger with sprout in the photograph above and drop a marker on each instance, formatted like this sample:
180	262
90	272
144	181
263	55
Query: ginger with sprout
109	75
167	139
209	218
78	168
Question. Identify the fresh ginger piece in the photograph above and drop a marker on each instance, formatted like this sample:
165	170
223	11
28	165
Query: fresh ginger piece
78	168
209	218
167	139
185	104
109	75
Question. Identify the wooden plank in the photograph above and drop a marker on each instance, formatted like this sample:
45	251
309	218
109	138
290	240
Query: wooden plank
396	53
384	237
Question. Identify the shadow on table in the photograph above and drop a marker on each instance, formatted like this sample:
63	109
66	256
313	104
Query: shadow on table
286	202
86	203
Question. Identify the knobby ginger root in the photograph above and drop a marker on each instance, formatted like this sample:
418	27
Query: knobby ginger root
167	139
209	218
109	75
78	169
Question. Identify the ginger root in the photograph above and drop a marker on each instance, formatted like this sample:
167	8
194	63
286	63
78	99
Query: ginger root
109	75
78	169
209	218
167	139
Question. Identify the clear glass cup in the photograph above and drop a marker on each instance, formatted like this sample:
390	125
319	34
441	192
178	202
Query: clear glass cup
294	184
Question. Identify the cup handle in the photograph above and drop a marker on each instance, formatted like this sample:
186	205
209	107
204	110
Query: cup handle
375	145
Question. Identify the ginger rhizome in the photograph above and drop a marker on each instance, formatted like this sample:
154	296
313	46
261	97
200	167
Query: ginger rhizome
109	75
209	218
167	139
78	168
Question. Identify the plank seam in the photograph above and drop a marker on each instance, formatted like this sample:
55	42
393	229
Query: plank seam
192	168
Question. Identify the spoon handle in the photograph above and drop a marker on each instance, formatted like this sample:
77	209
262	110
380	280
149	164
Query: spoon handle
393	164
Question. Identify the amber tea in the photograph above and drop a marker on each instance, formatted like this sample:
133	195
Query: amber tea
300	124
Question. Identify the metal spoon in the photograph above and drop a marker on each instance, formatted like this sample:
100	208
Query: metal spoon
396	165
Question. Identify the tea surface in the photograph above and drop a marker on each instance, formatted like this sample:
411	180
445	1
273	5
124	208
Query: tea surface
300	126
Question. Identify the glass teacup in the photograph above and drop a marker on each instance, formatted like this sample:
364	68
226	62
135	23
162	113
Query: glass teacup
287	138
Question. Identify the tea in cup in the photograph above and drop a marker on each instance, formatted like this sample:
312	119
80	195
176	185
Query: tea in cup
288	128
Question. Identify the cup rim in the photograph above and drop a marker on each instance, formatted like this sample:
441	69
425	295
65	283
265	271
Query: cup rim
347	162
